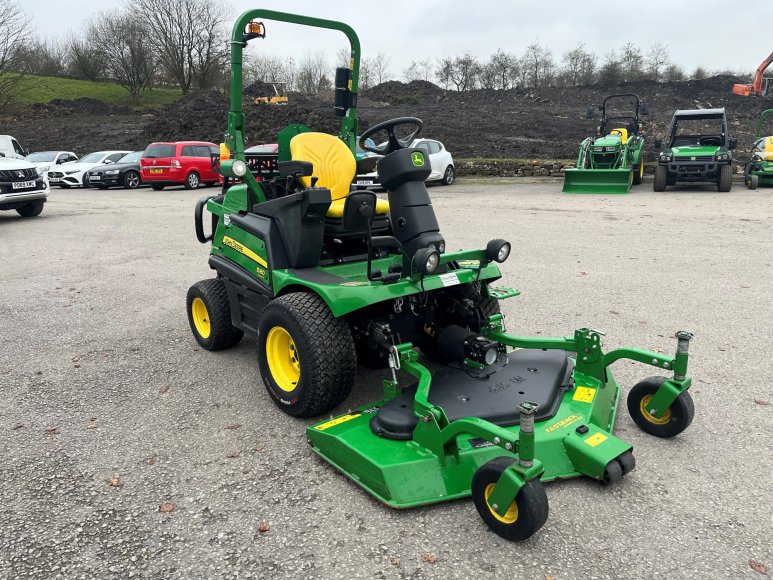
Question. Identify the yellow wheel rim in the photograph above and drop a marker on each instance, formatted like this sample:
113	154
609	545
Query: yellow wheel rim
646	414
200	317
283	360
512	512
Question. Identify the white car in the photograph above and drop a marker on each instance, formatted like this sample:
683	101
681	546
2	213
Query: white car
72	174
440	159
47	159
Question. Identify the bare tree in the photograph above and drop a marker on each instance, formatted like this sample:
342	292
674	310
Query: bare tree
674	73
311	73
538	61
504	65
380	64
579	66
263	67
631	62
46	57
464	72
611	71
657	60
699	73
85	60
367	74
342	57
444	71
187	35
122	41
418	71
14	31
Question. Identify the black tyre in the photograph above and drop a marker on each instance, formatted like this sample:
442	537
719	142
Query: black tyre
725	182
86	181
306	356
31	209
490	306
527	514
627	462
676	419
638	170
753	182
209	315
157	186
102	186
613	473
448	176
131	180
661	178
192	180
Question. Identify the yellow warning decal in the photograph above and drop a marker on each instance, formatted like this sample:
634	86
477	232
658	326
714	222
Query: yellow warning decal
336	421
584	394
565	422
231	243
595	440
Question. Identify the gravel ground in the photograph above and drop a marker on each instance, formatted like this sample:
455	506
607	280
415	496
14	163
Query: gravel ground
109	410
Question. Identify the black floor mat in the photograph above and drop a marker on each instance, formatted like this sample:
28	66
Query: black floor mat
540	376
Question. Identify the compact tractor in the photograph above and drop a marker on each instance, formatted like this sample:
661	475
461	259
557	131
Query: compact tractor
759	170
326	279
613	159
698	149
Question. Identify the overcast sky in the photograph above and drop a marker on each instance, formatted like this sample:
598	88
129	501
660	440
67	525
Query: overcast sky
711	33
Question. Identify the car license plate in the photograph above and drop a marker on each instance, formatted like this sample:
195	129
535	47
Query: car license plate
156	170
94	177
364	182
54	180
23	184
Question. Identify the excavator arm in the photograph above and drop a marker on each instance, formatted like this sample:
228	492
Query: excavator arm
756	87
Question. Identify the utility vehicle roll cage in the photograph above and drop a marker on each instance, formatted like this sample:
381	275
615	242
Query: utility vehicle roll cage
631	120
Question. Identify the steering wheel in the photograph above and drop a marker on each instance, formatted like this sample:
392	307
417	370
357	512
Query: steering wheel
710	141
393	143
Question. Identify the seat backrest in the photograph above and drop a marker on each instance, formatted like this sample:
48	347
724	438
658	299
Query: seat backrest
334	164
623	132
767	152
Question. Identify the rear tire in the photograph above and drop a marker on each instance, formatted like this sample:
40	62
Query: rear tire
30	210
306	356
131	180
661	178
448	176
528	512
725	182
754	182
192	180
638	171
209	315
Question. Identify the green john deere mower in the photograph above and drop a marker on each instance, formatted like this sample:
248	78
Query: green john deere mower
759	170
327	279
613	159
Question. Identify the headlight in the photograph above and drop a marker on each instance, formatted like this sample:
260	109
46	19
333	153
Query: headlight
497	251
598	149
239	168
611	149
112	172
426	260
39	171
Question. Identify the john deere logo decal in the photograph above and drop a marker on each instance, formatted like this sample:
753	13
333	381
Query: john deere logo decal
417	159
692	158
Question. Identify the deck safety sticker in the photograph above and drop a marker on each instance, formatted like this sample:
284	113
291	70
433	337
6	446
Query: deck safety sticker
596	439
449	279
336	421
584	394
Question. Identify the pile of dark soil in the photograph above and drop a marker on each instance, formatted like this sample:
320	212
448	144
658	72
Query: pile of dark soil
413	93
81	106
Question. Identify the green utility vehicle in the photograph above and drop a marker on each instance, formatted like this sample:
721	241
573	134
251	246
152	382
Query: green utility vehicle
326	279
613	159
759	170
698	149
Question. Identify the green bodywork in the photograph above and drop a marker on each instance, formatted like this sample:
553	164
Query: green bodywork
606	163
761	163
437	464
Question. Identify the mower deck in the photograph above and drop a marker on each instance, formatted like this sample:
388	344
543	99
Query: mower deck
575	440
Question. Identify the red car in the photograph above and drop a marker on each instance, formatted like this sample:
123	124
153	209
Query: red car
187	163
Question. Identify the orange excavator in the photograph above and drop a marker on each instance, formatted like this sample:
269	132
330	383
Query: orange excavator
760	85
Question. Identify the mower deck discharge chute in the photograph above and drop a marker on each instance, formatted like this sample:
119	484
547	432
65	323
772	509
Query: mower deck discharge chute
327	279
613	160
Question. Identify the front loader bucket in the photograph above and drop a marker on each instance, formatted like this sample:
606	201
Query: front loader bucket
597	181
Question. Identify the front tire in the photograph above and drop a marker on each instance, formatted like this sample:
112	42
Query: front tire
192	180
676	419
754	182
448	176
30	210
528	512
725	182
661	178
131	180
209	315
638	171
307	357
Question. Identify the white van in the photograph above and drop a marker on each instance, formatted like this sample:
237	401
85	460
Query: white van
10	148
